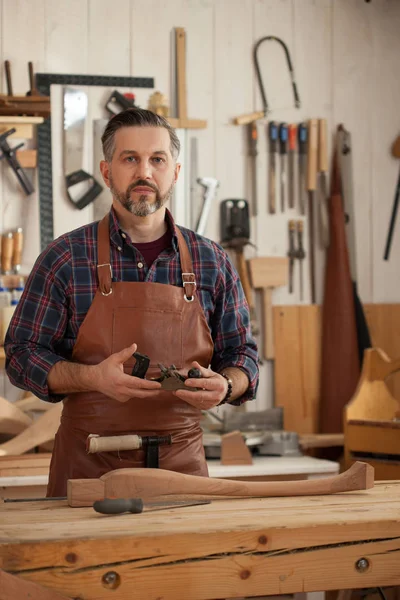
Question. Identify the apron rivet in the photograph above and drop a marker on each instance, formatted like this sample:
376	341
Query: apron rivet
111	579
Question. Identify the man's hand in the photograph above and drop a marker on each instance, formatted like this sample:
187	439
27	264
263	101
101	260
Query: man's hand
214	389
113	382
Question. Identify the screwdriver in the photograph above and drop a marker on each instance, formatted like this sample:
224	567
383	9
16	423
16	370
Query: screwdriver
292	165
283	148
273	139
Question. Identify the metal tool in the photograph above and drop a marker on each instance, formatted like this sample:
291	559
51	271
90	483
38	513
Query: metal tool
283	150
292	254
300	254
252	145
81	187
118	506
292	131
302	144
119	443
323	183
118	102
244	119
170	377
235	234
210	186
312	151
273	148
10	155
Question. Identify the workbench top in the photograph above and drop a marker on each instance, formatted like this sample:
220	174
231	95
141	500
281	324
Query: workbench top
224	549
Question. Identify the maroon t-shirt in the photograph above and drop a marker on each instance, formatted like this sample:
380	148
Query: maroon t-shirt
151	250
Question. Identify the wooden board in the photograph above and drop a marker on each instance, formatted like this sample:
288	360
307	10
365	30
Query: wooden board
26	464
297	333
224	549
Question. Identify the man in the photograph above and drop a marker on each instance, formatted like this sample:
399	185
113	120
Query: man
134	281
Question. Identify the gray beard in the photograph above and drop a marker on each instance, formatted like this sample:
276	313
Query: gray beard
141	207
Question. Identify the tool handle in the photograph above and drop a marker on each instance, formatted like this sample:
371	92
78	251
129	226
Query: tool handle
72	179
322	146
273	136
283	138
117	506
112	443
312	155
253	138
8	78
302	138
7	244
141	365
269	349
245	119
18	240
292	137
194	373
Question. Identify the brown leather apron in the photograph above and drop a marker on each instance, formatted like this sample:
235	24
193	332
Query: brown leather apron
170	330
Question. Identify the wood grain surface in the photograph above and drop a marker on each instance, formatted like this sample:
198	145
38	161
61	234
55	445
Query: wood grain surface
229	548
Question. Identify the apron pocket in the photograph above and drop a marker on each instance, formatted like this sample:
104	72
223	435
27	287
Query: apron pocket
157	333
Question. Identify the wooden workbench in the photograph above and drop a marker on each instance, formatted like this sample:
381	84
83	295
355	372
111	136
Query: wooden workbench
227	549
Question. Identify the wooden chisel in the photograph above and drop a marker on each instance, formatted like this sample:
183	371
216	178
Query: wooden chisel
292	165
302	144
283	150
323	183
312	157
273	141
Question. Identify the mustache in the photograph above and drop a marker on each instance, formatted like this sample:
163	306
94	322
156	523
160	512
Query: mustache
142	183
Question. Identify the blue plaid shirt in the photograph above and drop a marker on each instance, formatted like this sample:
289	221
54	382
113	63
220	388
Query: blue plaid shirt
63	282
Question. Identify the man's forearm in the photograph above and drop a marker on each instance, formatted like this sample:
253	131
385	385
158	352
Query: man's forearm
68	377
240	381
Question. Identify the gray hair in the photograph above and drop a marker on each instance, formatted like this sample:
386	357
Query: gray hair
136	117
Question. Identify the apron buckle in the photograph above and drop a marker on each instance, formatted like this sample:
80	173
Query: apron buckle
191	282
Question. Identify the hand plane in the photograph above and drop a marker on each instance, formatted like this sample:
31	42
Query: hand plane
170	377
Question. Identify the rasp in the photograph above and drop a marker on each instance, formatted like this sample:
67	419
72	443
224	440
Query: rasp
302	144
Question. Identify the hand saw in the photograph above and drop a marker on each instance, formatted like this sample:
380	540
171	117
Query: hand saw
82	188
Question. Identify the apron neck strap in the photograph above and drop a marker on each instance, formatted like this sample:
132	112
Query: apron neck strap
104	270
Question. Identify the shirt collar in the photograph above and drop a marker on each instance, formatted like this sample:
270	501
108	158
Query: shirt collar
116	231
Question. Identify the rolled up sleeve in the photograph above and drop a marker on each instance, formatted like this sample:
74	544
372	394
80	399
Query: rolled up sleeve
234	345
38	324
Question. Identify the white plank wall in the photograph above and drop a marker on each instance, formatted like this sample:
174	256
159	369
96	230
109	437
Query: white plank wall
345	57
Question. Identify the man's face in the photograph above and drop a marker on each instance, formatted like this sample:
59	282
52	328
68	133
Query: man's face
142	173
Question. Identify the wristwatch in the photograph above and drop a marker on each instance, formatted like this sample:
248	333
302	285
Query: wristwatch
229	391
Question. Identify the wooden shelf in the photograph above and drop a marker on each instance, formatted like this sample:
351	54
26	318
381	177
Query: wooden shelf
24	125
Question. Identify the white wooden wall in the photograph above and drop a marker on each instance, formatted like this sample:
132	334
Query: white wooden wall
345	55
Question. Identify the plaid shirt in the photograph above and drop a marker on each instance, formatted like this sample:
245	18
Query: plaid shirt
63	282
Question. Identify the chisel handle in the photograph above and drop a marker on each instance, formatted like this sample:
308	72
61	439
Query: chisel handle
7	244
273	136
117	506
312	155
283	138
18	238
322	146
292	137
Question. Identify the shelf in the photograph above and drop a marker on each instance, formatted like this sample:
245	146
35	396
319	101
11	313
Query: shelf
24	126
